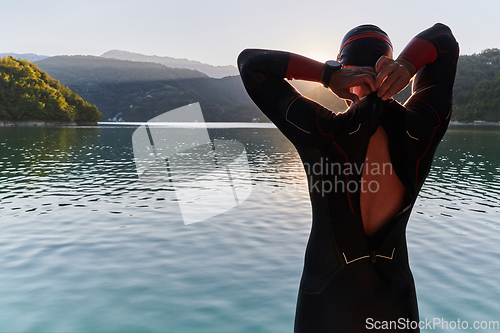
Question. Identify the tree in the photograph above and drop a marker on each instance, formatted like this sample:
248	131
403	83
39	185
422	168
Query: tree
27	93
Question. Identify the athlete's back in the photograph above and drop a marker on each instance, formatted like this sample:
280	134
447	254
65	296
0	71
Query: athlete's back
356	263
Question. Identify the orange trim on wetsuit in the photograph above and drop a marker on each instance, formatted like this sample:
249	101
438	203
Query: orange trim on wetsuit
419	52
302	68
348	277
367	35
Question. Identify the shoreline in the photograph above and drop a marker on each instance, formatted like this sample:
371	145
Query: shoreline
476	123
40	123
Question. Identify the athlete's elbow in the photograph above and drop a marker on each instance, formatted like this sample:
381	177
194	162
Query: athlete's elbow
442	36
244	57
449	32
443	28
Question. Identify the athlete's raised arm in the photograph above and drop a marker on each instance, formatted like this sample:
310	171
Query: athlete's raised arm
434	54
257	65
429	46
300	119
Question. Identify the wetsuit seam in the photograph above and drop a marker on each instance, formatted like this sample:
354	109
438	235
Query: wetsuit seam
423	89
353	260
404	210
286	116
411	135
449	113
359	126
385	257
348	262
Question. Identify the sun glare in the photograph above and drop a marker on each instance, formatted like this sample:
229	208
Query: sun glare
318	56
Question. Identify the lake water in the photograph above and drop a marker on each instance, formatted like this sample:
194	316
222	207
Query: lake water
86	247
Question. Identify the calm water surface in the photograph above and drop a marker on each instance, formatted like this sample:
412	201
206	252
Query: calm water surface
86	247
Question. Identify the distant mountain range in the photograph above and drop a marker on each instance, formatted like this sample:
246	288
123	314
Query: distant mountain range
139	91
140	87
212	71
27	56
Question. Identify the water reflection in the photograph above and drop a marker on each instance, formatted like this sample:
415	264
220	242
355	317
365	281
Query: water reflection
79	231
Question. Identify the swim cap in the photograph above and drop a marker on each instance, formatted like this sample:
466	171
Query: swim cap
364	45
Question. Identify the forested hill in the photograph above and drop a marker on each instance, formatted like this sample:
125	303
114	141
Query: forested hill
139	91
27	93
477	87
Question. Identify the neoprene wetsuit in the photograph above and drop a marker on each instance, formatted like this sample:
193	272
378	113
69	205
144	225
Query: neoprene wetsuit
349	277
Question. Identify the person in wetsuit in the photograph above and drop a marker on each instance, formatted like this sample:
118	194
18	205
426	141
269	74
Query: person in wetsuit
356	269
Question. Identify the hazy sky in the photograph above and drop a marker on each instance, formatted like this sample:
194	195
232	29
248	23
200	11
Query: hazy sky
216	31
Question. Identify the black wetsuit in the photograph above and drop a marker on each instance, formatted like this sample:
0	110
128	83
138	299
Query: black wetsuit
349	277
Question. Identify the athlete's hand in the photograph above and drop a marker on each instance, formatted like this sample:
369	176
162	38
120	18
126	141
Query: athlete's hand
345	78
393	76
